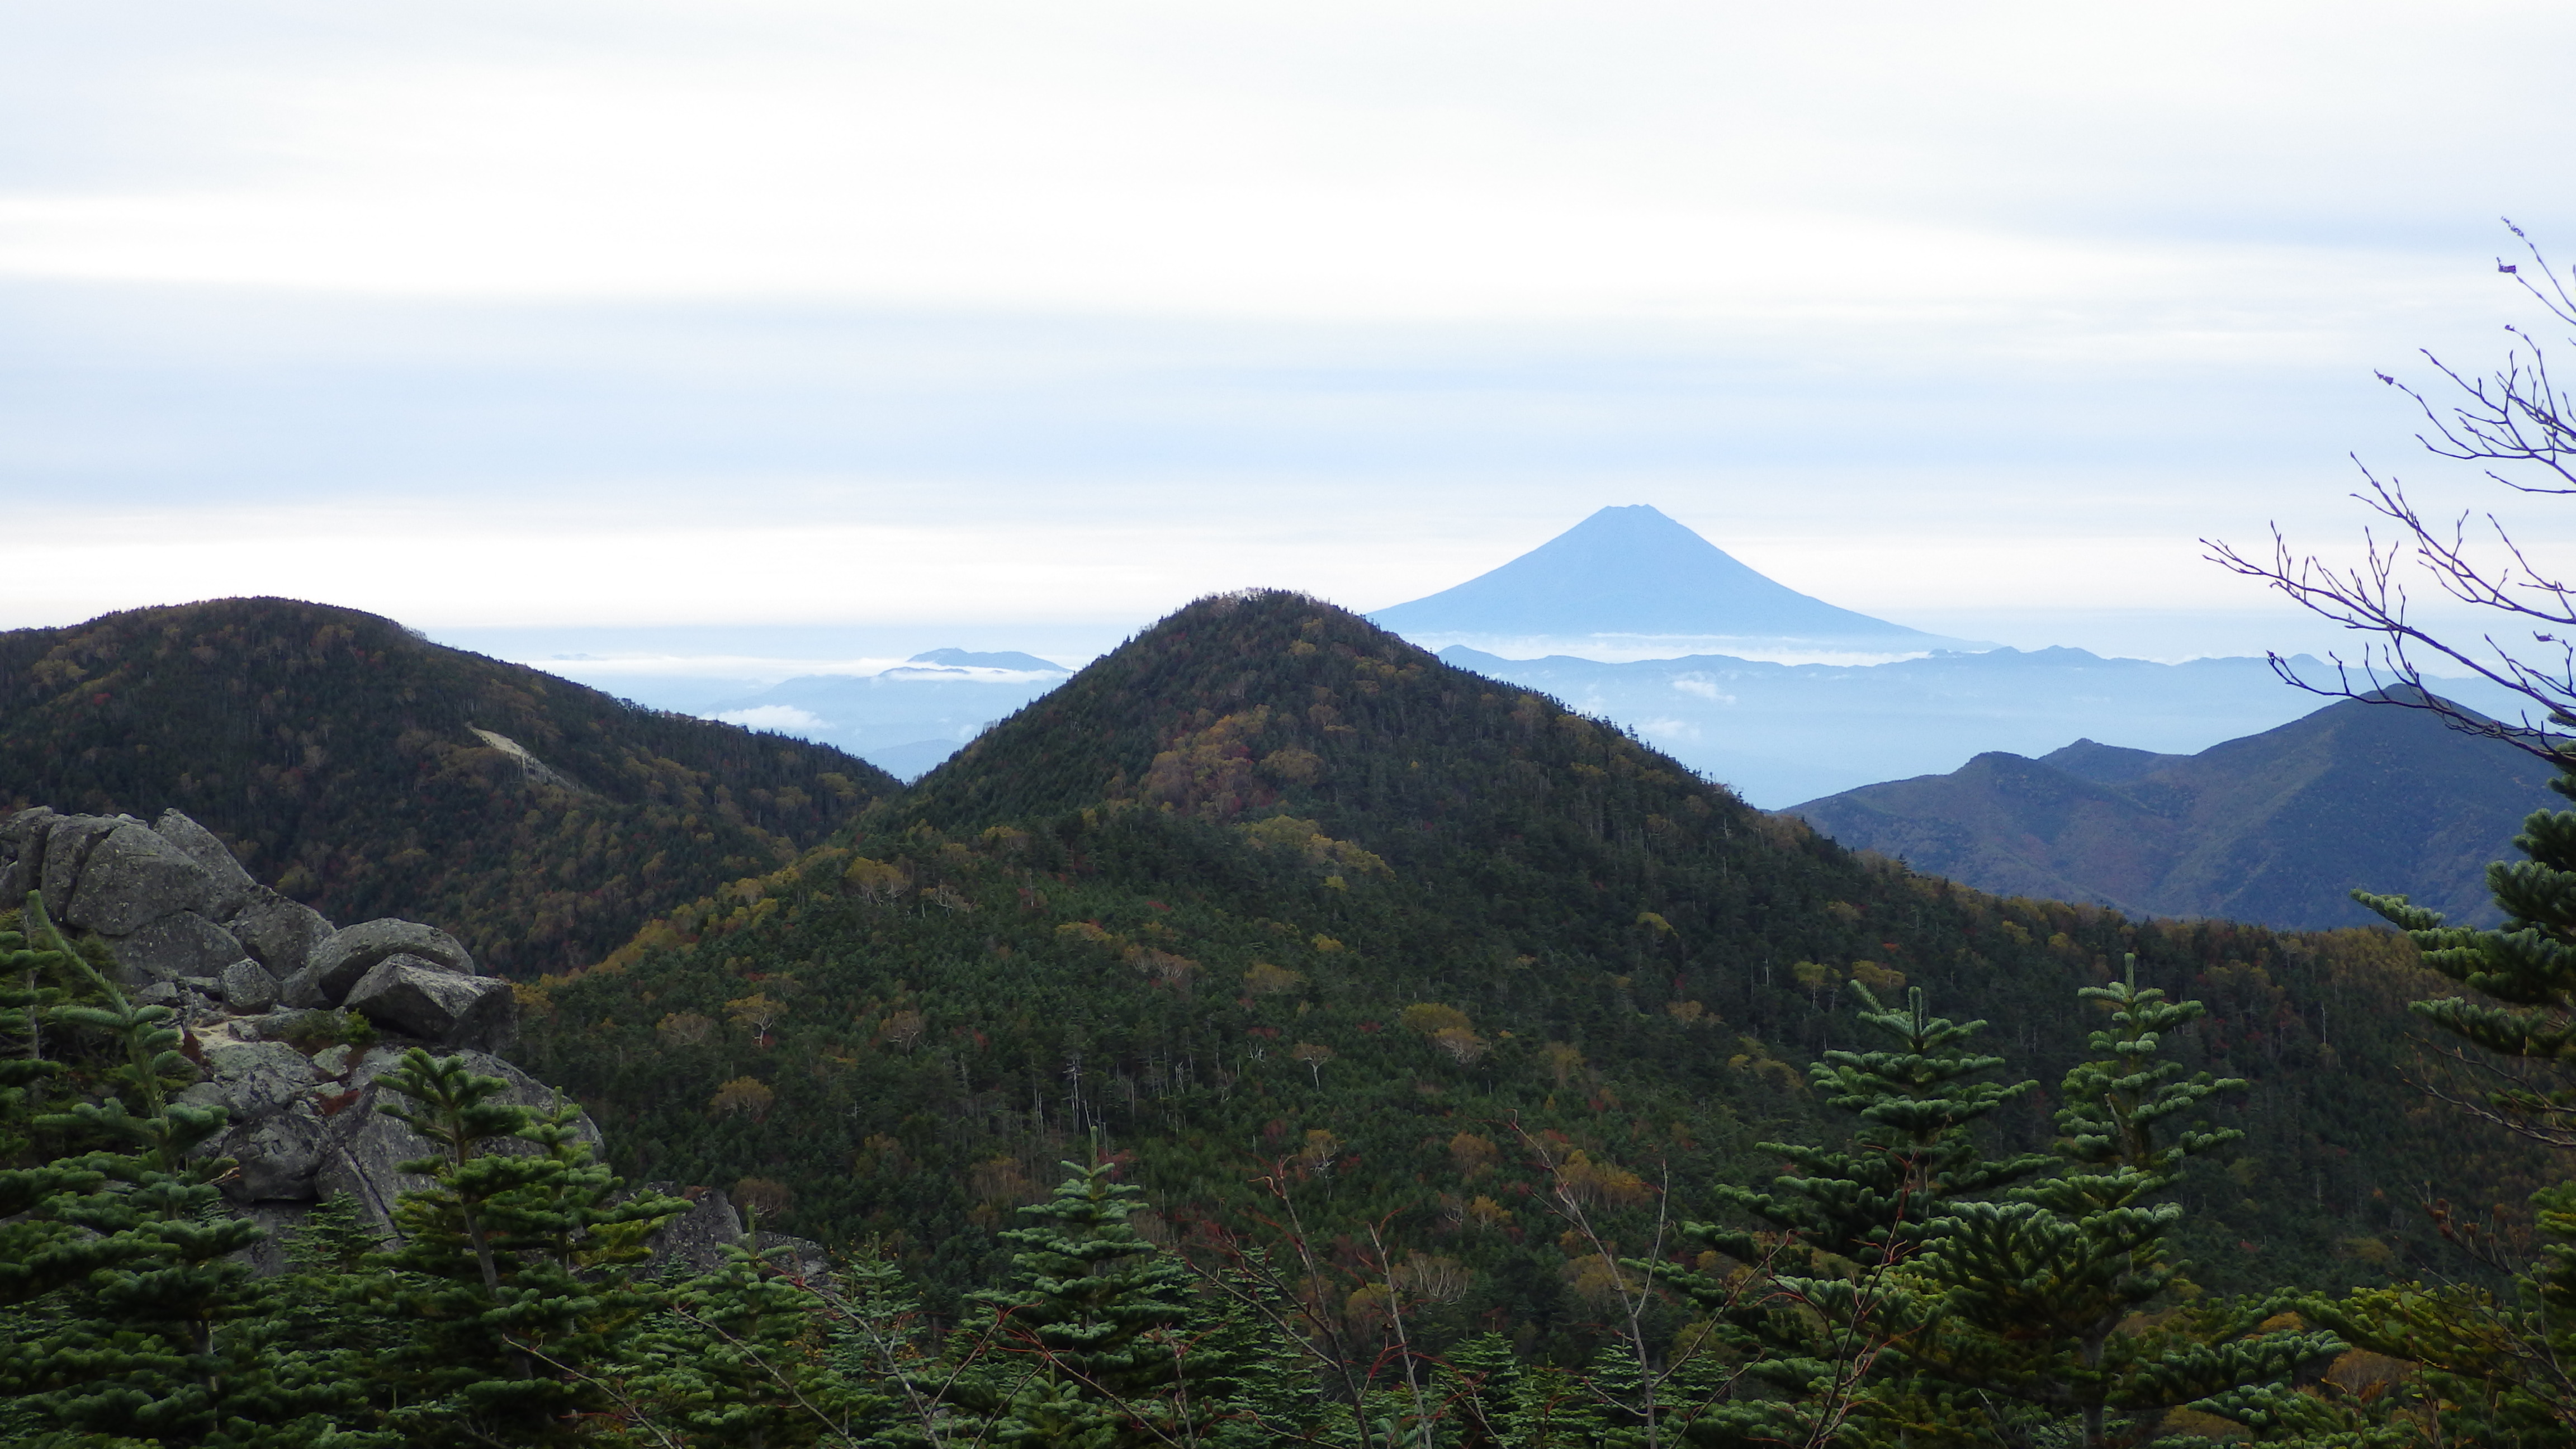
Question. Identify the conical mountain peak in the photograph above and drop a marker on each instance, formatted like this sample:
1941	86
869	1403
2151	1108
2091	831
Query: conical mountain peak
1244	702
1634	571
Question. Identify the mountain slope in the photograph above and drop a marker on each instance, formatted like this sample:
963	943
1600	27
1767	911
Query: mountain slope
1632	570
368	772
1269	899
2276	827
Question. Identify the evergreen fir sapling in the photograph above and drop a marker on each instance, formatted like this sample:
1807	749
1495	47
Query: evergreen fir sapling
735	1356
1101	1340
38	1252
2038	1299
1553	1408
2526	970
876	1344
1800	1309
1479	1379
1268	1385
1498	1402
513	1275
155	1330
1910	1151
2492	1361
322	1290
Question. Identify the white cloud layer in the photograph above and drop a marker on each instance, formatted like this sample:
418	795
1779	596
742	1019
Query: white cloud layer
773	717
576	312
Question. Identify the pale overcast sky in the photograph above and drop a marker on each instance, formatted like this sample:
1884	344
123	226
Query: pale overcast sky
1971	316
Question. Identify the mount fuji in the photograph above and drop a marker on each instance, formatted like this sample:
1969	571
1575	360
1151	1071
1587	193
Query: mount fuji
1631	583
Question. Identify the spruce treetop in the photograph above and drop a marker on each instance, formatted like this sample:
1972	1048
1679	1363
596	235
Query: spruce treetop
1915	1094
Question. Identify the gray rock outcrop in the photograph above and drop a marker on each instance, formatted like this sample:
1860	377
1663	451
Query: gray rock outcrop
22	839
302	1129
279	934
174	906
53	854
259	979
179	944
697	1238
127	875
435	1003
343	959
274	1129
228	886
247	987
795	1257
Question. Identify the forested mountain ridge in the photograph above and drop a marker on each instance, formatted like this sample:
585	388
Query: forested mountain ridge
367	772
1268	896
2277	827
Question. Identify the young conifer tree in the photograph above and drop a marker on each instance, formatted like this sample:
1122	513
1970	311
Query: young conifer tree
514	1274
1910	1152
1100	1338
147	1327
39	1252
2524	974
734	1356
2494	1362
2037	1299
1848	1214
877	1345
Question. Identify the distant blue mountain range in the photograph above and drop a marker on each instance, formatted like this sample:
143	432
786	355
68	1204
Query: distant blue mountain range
991	659
2277	827
1627	576
1783	733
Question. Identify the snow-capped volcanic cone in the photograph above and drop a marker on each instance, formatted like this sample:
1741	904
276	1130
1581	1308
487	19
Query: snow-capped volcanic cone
1630	583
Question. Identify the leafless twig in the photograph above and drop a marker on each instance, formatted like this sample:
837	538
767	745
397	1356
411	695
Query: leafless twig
2516	418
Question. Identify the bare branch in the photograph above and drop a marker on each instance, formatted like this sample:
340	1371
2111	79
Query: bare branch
2516	422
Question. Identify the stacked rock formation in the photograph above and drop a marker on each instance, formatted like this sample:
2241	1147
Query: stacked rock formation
259	980
189	927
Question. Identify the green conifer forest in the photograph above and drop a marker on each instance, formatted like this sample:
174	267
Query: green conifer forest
1275	1036
362	770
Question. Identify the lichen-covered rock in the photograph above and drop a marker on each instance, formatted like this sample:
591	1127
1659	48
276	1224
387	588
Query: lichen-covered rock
274	1129
797	1257
229	886
437	1004
247	986
128	876
68	842
189	928
24	829
348	954
252	1080
22	839
180	944
276	1156
698	1237
279	933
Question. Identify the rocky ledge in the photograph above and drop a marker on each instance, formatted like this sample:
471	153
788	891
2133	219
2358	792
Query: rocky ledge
262	984
189	928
